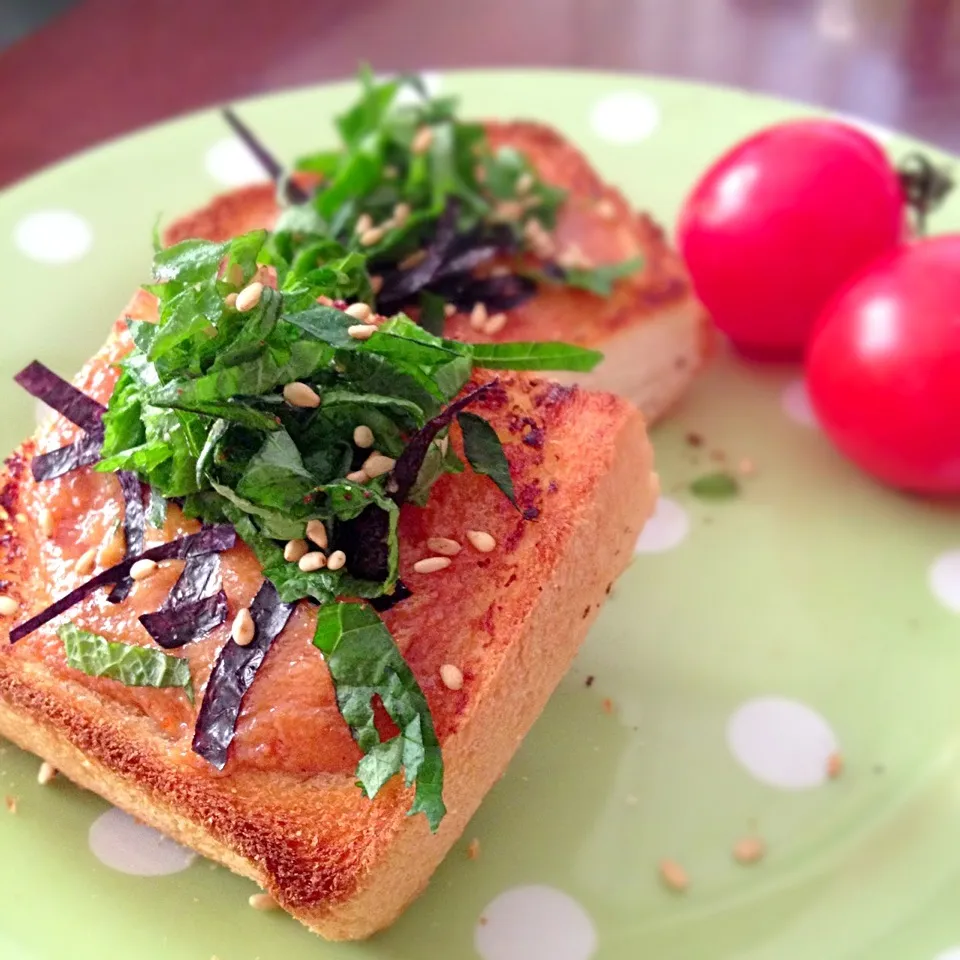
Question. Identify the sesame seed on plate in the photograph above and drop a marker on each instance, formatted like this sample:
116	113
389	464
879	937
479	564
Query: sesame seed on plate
376	465
749	850
249	296
362	331
337	559
444	546
473	849
674	876
481	540
317	533
452	676
143	569
293	550
431	564
311	562
243	629
422	140
363	224
834	765
363	436
369	237
359	311
495	324
47	773
86	562
8	606
262	901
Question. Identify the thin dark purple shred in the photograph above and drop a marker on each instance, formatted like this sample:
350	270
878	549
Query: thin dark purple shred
411	460
56	463
388	600
41	382
273	168
199	578
233	675
401	285
210	540
173	627
134	527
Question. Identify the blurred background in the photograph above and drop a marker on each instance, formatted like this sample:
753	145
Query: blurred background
75	73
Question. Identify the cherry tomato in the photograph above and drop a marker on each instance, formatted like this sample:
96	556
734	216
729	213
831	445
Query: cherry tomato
781	222
883	368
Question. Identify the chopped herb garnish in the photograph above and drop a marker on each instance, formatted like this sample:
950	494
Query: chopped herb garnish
130	664
365	663
716	486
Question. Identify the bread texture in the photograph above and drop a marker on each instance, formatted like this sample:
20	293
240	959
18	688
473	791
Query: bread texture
286	811
654	333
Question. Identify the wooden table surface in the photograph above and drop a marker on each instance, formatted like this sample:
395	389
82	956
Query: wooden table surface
106	67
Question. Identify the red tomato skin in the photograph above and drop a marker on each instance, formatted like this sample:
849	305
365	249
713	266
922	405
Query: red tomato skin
780	223
883	368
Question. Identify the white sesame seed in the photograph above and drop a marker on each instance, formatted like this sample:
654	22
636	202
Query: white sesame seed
311	562
452	676
86	562
376	283
749	850
293	550
495	324
449	309
364	223
230	300
376	465
432	564
263	901
337	559
243	629
478	316
317	533
525	182
143	569
412	260
358	476
444	546
46	774
422	140
362	331
249	296
363	436
299	394
359	311
400	212
481	540
45	522
8	606
369	237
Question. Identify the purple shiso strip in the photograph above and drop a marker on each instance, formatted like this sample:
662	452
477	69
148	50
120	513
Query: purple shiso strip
41	382
194	606
56	463
234	673
134	527
211	540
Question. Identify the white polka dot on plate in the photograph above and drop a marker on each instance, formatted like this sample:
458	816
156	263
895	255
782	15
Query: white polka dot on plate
535	923
627	116
944	579
665	530
53	236
952	954
781	742
796	404
231	163
118	841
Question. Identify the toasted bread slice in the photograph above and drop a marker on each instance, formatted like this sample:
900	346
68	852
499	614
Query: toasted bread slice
286	811
653	331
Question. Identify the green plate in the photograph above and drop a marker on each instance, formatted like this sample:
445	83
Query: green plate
749	640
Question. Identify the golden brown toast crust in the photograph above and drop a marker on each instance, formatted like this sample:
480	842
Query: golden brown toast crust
343	865
652	317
